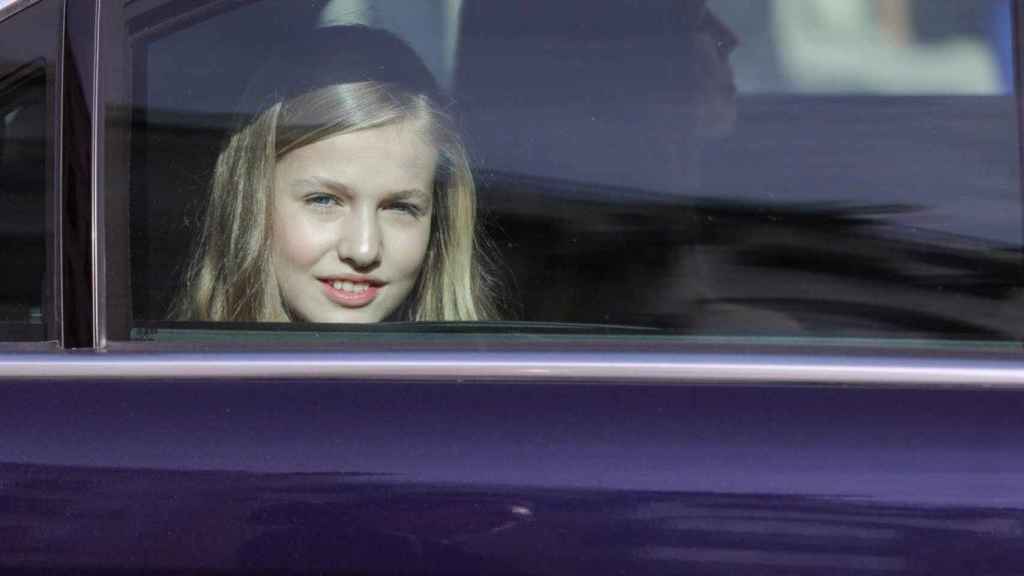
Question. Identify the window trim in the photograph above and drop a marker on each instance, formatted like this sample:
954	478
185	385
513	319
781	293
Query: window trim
9	8
78	185
714	366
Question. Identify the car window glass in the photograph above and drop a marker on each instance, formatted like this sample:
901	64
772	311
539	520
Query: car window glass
808	169
27	44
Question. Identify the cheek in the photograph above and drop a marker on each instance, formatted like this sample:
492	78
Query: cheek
295	243
411	249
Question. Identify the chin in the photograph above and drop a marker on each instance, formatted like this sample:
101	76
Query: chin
341	316
353	317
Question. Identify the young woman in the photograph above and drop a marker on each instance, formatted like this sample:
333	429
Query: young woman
345	197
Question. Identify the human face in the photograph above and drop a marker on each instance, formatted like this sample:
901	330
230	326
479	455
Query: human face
351	222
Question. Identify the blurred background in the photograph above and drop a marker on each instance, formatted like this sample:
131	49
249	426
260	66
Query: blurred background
831	46
871	46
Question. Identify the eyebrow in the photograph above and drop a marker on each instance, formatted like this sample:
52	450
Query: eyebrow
414	193
317	182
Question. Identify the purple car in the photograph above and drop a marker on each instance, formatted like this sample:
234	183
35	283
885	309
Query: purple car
511	287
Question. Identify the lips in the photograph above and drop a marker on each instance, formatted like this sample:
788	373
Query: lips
351	292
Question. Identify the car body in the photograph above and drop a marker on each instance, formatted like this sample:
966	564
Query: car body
571	441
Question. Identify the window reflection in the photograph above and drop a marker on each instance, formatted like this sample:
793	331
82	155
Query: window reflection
873	46
785	168
23	154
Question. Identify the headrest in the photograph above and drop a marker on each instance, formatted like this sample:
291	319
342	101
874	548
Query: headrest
336	55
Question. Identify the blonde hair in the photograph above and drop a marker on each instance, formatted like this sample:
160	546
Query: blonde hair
230	278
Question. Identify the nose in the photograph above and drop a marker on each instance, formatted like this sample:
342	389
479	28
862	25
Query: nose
359	244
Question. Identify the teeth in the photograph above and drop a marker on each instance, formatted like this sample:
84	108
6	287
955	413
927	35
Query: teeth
348	286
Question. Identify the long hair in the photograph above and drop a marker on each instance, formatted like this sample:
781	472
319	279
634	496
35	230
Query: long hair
230	277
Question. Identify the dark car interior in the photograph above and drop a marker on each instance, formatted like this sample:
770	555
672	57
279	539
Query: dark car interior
23	173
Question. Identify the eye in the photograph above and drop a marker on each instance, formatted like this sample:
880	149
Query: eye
321	200
403	207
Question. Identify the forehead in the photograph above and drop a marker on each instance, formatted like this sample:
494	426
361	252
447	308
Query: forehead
392	157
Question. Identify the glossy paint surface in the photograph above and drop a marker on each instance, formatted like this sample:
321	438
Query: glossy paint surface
547	478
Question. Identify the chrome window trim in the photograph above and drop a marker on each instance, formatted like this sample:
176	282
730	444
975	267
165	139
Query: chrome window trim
58	186
529	367
9	8
96	248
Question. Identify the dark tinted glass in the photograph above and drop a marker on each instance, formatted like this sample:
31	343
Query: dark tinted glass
28	40
798	168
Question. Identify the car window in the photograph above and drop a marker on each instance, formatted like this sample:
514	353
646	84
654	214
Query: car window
28	41
799	170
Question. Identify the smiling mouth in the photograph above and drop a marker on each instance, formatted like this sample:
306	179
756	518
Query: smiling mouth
351	293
